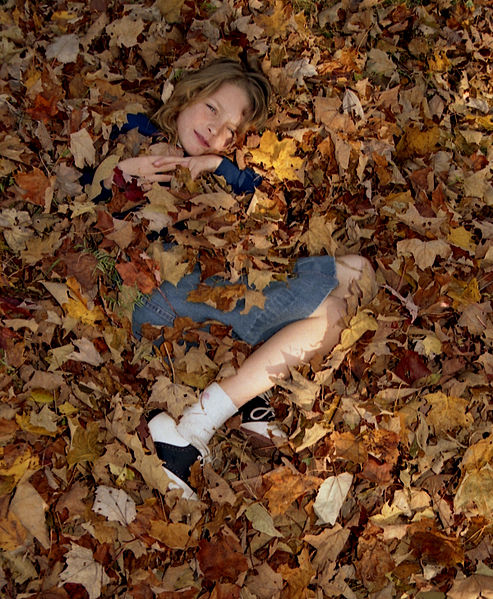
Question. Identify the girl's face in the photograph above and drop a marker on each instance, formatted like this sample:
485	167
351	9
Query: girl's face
209	126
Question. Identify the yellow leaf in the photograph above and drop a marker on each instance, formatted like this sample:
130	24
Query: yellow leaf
483	122
478	455
417	142
174	534
78	310
319	236
24	422
41	396
276	24
12	533
447	412
312	435
170	9
20	465
439	62
67	409
432	345
465	294
253	298
30	508
475	493
278	155
359	325
85	446
462	238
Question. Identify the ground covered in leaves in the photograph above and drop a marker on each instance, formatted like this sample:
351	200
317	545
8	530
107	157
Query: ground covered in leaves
379	143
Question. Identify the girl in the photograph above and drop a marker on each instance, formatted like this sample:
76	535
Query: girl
302	316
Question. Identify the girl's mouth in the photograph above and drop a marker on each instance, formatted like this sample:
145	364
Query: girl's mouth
202	140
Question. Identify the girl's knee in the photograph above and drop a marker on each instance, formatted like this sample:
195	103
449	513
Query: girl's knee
355	269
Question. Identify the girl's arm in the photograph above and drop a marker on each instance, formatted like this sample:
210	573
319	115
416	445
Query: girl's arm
241	180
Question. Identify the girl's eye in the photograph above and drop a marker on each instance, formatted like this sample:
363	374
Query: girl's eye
211	108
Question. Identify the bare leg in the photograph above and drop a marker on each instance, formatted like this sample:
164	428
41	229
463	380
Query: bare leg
299	341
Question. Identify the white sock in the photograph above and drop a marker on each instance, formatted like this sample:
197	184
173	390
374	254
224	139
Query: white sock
200	421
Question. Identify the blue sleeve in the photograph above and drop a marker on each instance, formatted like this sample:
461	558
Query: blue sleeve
242	181
136	121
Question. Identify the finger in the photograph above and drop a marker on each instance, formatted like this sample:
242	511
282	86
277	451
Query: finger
159	178
170	161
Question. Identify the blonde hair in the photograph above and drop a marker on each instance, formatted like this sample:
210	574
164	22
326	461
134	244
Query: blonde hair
200	84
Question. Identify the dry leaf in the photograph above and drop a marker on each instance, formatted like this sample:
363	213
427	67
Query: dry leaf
115	505
83	569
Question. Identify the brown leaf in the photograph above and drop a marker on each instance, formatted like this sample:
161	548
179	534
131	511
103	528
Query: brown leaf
36	187
434	546
374	559
222	557
286	487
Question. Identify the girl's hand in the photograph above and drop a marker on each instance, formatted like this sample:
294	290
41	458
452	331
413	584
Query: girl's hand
206	163
150	169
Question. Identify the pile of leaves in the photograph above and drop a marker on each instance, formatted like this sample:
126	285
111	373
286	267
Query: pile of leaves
379	143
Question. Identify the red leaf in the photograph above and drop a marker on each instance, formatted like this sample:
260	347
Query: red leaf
411	367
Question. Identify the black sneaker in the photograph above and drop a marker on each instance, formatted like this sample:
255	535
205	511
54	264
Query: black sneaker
176	453
258	417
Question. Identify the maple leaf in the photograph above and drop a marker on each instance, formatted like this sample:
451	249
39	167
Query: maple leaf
85	446
286	487
277	23
278	155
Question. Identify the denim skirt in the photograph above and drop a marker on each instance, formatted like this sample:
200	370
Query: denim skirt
313	278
